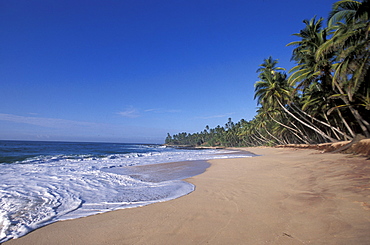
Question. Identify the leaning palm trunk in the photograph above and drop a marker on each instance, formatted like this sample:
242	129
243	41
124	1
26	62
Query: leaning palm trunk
321	122
318	131
291	130
333	131
346	124
279	141
286	140
262	137
364	125
247	142
257	139
303	133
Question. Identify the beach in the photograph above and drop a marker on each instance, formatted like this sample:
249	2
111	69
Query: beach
281	196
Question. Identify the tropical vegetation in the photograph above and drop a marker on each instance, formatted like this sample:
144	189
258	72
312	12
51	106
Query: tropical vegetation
325	97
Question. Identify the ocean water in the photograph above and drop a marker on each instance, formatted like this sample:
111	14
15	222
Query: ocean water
43	182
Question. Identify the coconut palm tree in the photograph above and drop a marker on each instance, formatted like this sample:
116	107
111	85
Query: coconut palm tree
313	77
274	91
309	70
350	23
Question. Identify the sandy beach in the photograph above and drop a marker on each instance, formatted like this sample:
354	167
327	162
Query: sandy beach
283	196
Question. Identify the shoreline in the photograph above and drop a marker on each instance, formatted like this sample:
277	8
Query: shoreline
282	196
357	146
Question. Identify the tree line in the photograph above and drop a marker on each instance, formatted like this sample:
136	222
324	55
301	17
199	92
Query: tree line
325	97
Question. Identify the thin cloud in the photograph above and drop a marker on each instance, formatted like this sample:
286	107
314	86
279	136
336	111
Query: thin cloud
44	122
152	110
217	116
161	110
130	112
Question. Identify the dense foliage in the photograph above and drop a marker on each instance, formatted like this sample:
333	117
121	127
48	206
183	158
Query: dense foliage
325	97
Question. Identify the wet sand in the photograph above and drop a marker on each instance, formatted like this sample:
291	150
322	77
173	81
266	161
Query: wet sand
164	171
283	196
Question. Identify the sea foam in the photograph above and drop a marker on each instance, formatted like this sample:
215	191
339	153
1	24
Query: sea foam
47	188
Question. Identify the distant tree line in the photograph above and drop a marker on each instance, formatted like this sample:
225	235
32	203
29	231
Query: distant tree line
229	135
325	97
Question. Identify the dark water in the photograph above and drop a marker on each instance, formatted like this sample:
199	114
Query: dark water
18	151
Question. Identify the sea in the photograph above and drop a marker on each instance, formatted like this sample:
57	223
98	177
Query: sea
45	182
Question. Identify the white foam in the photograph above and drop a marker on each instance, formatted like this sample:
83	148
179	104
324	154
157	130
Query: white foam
42	190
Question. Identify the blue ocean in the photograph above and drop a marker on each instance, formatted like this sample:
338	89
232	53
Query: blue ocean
43	182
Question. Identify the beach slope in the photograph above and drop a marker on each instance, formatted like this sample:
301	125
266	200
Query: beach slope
283	196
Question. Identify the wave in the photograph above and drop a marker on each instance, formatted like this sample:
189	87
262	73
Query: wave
43	189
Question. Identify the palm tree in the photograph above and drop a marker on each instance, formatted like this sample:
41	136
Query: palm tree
265	123
349	20
313	77
348	11
309	70
285	125
273	91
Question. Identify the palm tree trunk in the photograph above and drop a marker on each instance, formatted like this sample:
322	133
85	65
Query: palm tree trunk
334	132
307	125
304	137
285	141
255	138
346	124
279	141
261	135
321	122
292	130
281	124
364	125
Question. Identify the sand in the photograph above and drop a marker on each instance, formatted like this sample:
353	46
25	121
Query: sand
285	196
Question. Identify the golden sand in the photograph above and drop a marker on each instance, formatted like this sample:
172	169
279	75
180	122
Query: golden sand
284	196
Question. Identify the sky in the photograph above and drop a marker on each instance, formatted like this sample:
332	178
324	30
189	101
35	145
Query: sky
131	71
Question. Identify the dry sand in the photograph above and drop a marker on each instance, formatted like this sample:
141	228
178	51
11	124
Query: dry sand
285	196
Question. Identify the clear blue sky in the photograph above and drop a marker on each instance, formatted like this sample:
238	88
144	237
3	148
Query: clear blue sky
133	70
